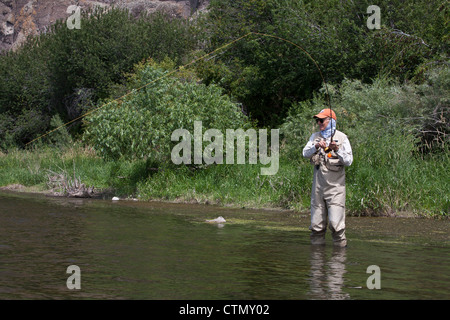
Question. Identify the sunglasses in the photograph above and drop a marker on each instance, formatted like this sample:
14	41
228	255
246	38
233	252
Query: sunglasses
321	120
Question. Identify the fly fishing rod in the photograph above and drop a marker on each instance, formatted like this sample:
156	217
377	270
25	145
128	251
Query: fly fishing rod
328	149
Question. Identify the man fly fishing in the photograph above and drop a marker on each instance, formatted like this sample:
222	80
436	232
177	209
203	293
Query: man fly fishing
329	150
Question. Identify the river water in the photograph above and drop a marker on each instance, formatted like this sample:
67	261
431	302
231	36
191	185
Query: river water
152	250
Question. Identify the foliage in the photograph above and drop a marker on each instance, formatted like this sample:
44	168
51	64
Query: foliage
268	75
24	94
435	103
140	124
108	44
385	123
59	136
65	71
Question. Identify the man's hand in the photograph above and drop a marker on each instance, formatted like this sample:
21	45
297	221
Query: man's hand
322	144
333	146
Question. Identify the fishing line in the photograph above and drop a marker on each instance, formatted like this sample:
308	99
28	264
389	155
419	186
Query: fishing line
187	65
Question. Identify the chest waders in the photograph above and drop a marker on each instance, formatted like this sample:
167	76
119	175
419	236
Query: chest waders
328	194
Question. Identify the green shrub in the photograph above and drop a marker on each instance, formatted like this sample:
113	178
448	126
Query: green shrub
65	71
140	125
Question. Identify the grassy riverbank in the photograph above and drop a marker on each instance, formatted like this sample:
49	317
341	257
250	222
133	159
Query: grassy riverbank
421	189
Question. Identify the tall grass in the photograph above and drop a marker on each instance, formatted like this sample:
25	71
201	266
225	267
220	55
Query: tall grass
32	168
420	187
237	185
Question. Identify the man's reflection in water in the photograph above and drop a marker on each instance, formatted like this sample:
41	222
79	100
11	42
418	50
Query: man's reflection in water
327	273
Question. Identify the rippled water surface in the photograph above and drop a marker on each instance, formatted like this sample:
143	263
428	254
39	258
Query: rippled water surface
137	250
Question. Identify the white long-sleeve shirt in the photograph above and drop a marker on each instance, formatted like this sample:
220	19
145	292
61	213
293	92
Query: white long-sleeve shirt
344	153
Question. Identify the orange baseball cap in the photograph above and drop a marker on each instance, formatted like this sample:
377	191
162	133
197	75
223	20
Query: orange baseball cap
325	113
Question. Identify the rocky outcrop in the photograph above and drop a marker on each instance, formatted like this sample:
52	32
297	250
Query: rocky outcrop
21	18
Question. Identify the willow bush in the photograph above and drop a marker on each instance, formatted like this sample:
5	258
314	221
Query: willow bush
140	124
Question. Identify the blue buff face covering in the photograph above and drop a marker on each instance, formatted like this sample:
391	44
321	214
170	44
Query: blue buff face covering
328	130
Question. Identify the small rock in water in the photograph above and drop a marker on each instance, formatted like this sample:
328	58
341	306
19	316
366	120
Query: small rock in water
217	220
115	198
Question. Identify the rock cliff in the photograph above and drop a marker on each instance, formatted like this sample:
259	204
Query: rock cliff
20	18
